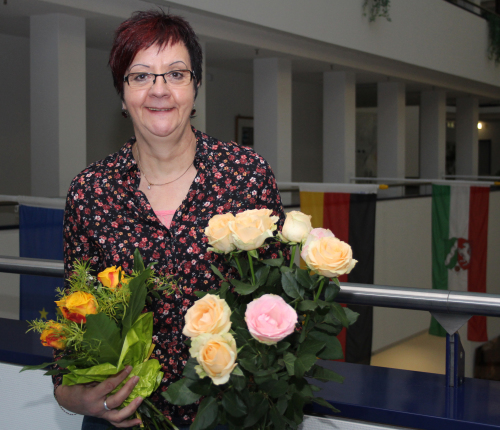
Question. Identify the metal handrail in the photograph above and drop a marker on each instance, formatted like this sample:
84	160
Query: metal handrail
442	301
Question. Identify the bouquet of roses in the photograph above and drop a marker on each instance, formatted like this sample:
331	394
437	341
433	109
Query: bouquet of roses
101	329
255	341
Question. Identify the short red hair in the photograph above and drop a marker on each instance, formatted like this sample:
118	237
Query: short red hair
144	29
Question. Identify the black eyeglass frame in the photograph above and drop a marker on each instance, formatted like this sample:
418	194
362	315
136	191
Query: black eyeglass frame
193	76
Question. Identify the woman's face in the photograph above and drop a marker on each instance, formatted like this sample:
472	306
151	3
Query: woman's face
159	110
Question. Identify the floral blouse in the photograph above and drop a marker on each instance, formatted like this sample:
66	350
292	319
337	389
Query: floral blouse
107	218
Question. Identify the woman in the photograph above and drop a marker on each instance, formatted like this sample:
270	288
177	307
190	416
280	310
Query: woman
157	194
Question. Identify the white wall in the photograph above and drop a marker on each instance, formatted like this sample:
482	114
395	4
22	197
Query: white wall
307	132
15	175
228	94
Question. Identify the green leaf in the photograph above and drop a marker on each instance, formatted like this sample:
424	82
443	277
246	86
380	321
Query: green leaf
217	272
338	311
307	305
303	363
331	291
352	316
304	278
275	387
274	277
207	414
294	412
242	287
333	350
179	394
239	382
289	360
261	275
233	404
279	422
137	301
281	404
37	366
223	290
324	403
138	261
189	371
312	346
258	408
281	347
200	294
102	329
290	285
249	364
325	375
275	262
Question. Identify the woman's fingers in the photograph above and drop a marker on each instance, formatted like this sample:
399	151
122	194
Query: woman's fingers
105	387
119	417
116	399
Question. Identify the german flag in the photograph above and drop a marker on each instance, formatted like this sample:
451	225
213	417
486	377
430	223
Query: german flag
349	212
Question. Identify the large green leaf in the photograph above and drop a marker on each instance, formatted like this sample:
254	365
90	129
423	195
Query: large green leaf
103	331
261	275
239	382
37	366
304	278
275	387
289	360
207	414
138	261
324	403
137	301
351	316
290	285
233	404
339	313
217	272
307	305
333	350
279	422
274	277
242	287
331	291
326	375
312	346
275	262
258	408
303	363
137	341
179	393
189	369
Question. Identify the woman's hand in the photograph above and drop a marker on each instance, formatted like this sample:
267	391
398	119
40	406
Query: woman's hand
88	399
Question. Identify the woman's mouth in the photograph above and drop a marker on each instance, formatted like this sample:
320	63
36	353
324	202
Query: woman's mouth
159	110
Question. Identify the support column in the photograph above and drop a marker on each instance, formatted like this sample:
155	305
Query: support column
58	102
391	120
467	147
339	126
200	120
433	134
272	92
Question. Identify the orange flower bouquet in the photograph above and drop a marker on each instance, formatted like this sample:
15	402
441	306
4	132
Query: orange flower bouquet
101	329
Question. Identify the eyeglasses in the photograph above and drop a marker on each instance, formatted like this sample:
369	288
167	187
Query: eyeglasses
177	78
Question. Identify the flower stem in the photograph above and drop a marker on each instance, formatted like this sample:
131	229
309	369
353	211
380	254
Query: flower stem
316	297
251	267
294	248
239	266
160	415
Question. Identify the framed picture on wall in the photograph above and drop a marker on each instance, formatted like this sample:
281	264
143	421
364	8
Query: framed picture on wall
244	131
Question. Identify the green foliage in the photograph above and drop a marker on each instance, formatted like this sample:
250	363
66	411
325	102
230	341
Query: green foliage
376	8
494	36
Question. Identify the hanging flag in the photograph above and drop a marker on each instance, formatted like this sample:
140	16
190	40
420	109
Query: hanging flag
40	236
349	212
459	246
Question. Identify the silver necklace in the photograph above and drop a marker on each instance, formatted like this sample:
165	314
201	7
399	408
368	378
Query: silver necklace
150	184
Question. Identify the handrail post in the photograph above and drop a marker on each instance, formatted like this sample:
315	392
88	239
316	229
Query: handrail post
455	361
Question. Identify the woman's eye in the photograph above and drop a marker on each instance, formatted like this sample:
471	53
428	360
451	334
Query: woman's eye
140	77
177	74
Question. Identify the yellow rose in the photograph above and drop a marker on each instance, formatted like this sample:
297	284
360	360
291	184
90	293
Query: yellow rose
218	233
327	255
210	314
216	355
112	277
296	228
252	227
77	305
53	335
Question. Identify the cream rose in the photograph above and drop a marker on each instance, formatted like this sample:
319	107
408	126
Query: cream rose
209	314
327	255
218	233
252	227
216	355
296	228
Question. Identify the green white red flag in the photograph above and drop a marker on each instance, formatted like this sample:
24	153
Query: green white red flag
459	246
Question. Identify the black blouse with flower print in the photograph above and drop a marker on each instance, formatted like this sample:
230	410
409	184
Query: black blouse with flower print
107	218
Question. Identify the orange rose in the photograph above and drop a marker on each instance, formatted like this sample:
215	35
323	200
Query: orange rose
112	277
77	305
210	314
53	336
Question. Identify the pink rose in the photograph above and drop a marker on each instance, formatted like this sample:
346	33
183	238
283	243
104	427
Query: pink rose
270	319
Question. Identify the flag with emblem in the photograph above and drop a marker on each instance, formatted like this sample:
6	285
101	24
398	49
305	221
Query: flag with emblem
348	210
459	246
